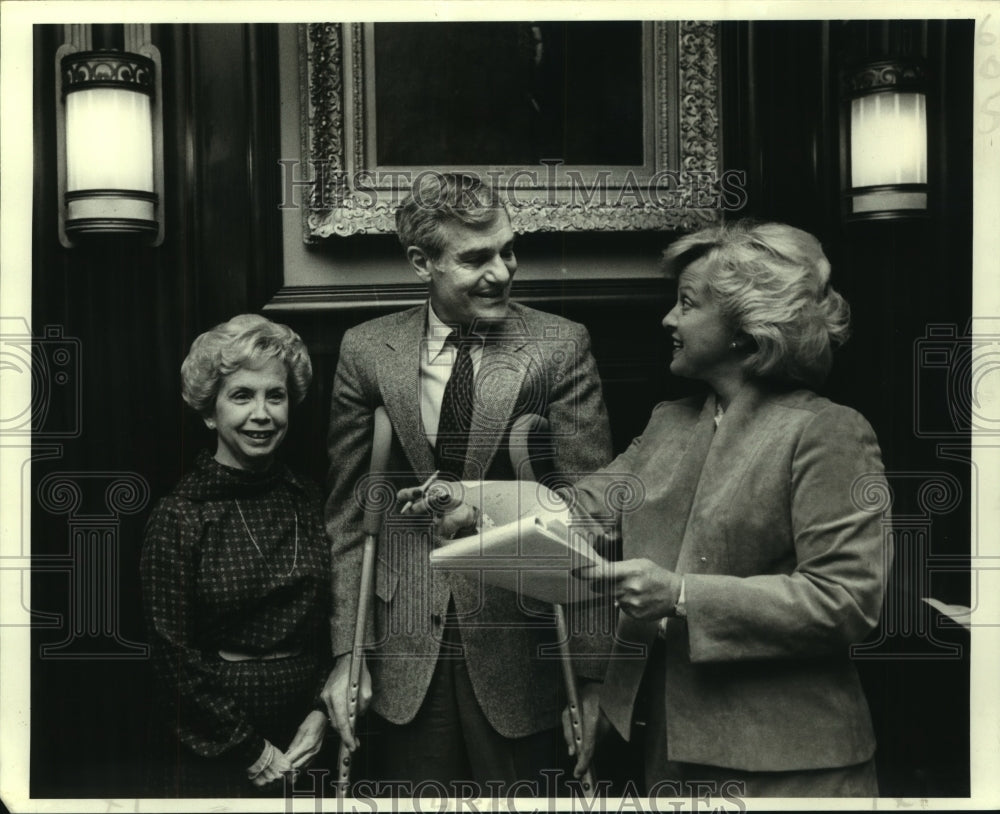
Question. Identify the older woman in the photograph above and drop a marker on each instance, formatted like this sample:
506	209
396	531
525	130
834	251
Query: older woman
750	564
235	575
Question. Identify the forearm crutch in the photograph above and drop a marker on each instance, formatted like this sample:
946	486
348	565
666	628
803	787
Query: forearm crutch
372	525
524	469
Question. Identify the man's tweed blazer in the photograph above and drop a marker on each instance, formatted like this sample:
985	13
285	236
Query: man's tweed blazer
538	364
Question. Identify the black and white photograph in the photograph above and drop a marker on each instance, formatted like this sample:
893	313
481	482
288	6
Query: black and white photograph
499	406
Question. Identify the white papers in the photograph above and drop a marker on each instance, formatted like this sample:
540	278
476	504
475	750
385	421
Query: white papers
534	555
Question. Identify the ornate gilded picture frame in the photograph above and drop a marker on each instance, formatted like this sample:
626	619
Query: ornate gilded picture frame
362	149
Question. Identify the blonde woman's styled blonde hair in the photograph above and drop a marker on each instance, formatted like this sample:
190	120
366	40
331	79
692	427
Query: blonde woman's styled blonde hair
245	341
772	282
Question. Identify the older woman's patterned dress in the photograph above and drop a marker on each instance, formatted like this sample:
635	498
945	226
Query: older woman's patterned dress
253	585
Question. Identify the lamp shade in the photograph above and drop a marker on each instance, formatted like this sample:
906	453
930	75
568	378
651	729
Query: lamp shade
109	145
887	134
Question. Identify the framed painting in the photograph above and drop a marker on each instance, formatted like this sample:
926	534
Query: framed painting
582	126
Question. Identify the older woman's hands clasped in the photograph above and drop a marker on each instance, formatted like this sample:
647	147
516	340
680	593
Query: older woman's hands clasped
641	588
273	764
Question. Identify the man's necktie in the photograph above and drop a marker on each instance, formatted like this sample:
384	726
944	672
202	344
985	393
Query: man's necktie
456	411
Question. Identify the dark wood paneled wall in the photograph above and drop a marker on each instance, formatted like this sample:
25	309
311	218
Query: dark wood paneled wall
136	310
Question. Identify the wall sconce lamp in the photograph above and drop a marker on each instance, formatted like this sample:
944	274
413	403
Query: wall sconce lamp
885	164
109	127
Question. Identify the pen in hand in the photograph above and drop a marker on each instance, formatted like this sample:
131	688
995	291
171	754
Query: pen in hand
423	491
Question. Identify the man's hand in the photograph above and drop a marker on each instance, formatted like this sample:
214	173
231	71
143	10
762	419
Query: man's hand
642	589
308	740
336	696
594	723
443	501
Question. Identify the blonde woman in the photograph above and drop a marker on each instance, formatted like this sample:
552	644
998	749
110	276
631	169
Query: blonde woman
751	564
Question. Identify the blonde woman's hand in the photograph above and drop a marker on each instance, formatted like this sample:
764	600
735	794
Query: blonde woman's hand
641	588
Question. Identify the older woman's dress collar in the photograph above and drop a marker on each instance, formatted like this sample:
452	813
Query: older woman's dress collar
211	480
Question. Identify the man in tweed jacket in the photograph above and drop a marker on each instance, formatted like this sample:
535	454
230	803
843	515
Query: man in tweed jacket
460	681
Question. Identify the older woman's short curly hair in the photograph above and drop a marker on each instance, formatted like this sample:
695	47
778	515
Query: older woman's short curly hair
246	341
772	281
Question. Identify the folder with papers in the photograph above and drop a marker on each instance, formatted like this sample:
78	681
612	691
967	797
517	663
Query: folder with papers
535	556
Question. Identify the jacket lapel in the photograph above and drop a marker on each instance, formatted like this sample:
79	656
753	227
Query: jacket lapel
502	371
744	431
399	381
657	530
